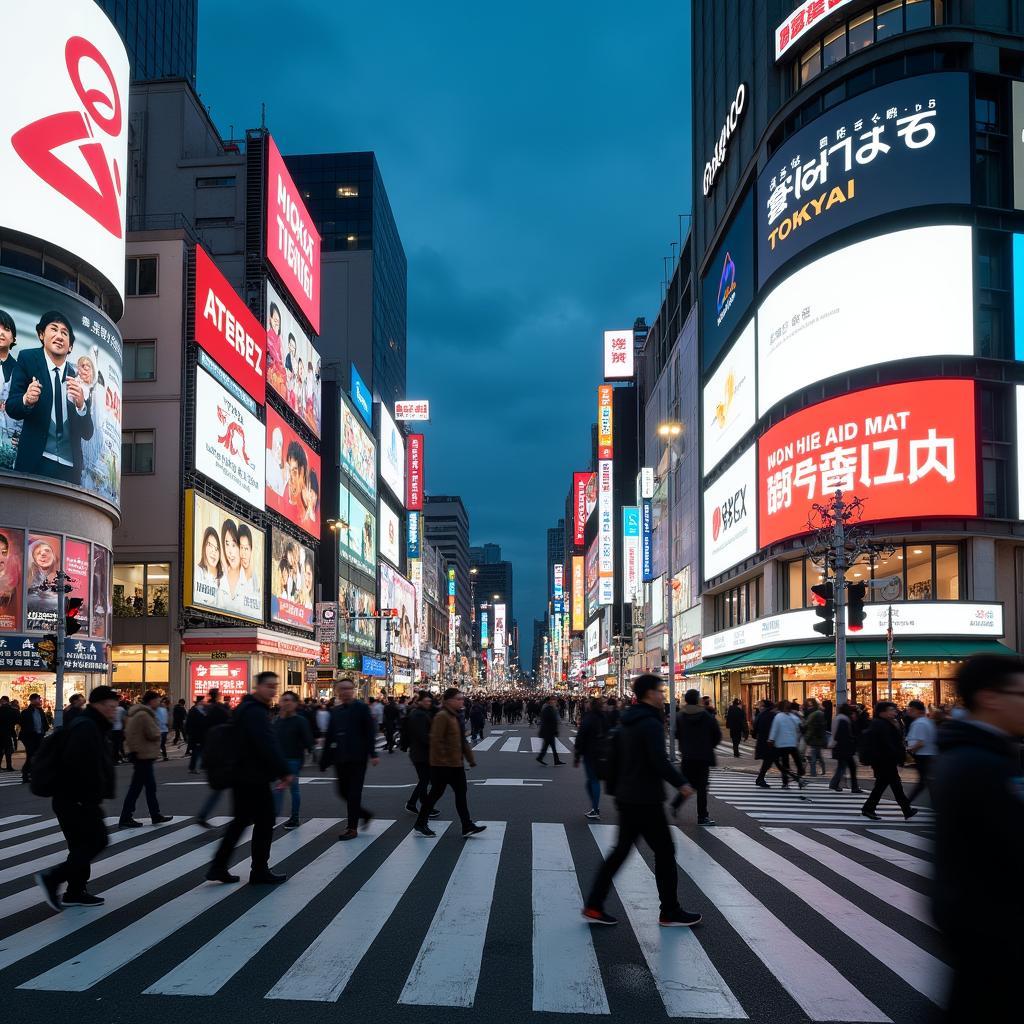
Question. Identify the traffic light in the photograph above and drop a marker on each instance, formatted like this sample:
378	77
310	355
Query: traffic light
823	599
855	606
72	606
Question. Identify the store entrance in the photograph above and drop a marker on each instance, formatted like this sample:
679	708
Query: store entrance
752	693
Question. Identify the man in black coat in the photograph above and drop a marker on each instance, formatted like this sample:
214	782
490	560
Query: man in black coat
8	722
350	742
641	769
698	734
763	751
195	733
178	717
417	738
548	730
736	723
31	730
392	716
259	762
886	751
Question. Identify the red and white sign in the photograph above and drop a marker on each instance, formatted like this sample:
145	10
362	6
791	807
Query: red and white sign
806	18
414	474
618	355
231	678
64	131
580	484
228	330
293	243
417	409
605	393
909	450
293	478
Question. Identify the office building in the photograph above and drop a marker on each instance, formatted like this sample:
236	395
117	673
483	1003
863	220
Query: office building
492	585
161	36
446	527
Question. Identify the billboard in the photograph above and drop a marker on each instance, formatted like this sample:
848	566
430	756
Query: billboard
1017	141
1020	455
293	364
390	534
895	296
604	421
357	627
580	482
592	576
76	440
77	564
902	145
64	141
398	593
559	580
500	631
414	473
392	454
101	616
227	329
231	678
358	450
579	594
631	582
224	557
229	442
618	355
593	639
605	534
728	287
292	581
357	531
412	535
730	402
646	540
12	575
43	561
293	475
908	450
805	18
730	516
416	409
1018	297
362	397
293	242
375	667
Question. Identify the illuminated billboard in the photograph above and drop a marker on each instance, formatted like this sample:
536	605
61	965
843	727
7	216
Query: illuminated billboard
730	516
1020	451
805	18
416	409
605	393
730	404
605	534
579	594
356	626
358	449
414	473
500	632
293	364
397	593
631	581
392	454
618	355
728	285
390	534
357	532
895	296
293	475
292	581
582	509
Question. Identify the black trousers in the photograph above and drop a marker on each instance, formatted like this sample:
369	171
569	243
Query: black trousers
549	741
697	774
735	737
253	805
30	741
143	777
440	780
636	821
419	794
770	760
389	737
86	835
351	776
846	764
784	754
924	777
197	755
886	777
7	748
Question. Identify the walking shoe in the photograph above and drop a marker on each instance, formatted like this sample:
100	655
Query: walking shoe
82	899
593	813
367	818
427	832
161	818
871	815
220	875
203	823
434	814
292	823
538	760
558	762
858	790
49	885
909	814
837	789
129	823
349	833
412	808
706	821
801	783
266	877
679	919
473	830
762	785
594	916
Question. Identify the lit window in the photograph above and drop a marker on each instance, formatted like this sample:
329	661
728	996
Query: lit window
129	590
835	47
889	20
861	32
810	64
158	579
347	191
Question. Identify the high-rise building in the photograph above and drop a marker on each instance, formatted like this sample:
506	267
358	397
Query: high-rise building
556	552
161	36
540	631
492	584
446	526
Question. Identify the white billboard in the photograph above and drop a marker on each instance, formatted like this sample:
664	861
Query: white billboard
730	516
64	131
605	534
413	409
896	296
500	632
230	442
730	404
390	534
618	355
593	639
392	455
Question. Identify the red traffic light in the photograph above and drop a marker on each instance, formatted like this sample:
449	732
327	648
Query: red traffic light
72	606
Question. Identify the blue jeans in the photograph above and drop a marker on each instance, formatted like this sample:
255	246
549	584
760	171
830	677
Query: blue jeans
294	767
593	783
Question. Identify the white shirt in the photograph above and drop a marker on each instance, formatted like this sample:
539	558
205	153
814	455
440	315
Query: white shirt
63	397
785	730
922	730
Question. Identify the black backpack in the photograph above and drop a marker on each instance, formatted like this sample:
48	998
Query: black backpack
606	761
403	734
221	754
48	760
865	747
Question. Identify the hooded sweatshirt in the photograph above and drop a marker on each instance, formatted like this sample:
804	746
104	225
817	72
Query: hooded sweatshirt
698	733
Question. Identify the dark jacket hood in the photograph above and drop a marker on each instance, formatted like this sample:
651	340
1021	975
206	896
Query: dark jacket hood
694	709
960	733
638	712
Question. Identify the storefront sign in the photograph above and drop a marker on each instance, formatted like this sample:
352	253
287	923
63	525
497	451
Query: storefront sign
414	472
605	394
605	534
231	678
646	483
618	355
732	121
327	622
375	667
730	516
646	540
807	17
412	410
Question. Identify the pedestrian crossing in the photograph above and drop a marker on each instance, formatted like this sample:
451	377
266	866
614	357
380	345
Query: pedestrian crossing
868	890
505	744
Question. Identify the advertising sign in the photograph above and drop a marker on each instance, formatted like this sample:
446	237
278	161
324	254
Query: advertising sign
592	576
362	397
730	404
357	531
631	553
293	243
484	639
499	628
646	540
220	375
728	288
375	667
224	558
908	450
604	421
231	678
646	482
398	593
805	19
559	580
293	475
392	454
292	581
12	566
64	142
326	622
593	639
412	544
86	450
412	410
357	627
1020	458
414	476
76	565
730	124
102	612
226	328
1017	140
44	559
730	516
230	442
818	323
581	514
902	145
293	364
390	534
1018	297
618	355
358	450
579	594
605	534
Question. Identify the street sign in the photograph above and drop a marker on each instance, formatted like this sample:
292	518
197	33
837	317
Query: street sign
327	622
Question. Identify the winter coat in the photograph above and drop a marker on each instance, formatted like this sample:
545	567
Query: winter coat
885	745
548	723
294	735
351	735
736	720
761	731
592	730
698	733
260	758
142	733
814	728
642	765
417	735
448	744
86	772
844	739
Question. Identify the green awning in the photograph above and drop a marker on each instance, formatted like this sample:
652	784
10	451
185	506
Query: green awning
717	664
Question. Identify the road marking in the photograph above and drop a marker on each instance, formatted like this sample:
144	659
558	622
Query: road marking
915	966
508	782
687	981
324	969
486	744
906	838
24	830
18	817
41	841
897	858
566	974
511	745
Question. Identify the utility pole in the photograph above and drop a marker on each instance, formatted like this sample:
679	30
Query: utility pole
61	582
839	508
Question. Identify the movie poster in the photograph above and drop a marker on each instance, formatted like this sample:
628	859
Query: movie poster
76	565
101	594
293	365
292	581
41	566
293	476
12	561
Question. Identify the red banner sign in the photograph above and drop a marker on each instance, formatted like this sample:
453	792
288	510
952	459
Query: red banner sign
414	473
231	678
580	482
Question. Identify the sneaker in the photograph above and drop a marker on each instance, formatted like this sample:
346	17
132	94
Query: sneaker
473	830
679	919
412	808
706	821
266	877
129	823
911	813
540	761
427	832
594	916
49	885
762	785
558	762
349	833
871	815
292	823
82	899
221	875
434	814
161	819
593	814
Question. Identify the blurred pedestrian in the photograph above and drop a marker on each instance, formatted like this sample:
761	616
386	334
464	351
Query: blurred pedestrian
548	730
296	739
163	711
590	739
844	748
350	743
882	748
736	723
31	730
698	733
814	736
142	744
921	742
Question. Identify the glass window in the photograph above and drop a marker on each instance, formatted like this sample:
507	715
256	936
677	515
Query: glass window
918	562
156	664
810	64
947	572
834	49
347	191
139	360
128	663
889	19
795	584
158	580
218	182
918	14
861	32
140	275
137	452
129	588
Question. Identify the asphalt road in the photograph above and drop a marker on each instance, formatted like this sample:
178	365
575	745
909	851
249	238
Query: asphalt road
810	912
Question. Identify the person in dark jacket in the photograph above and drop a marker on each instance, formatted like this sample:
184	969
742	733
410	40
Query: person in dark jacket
763	751
548	730
350	742
85	779
76	706
8	723
417	739
844	748
31	730
884	743
979	841
259	762
178	716
477	720
641	770
736	723
392	715
698	734
589	739
291	727
195	733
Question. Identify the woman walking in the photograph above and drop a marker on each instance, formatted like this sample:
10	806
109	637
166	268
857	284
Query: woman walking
589	740
844	748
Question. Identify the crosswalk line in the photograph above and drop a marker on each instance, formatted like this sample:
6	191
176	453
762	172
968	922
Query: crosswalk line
487	742
687	981
906	838
210	968
321	973
447	968
11	819
561	747
90	967
566	973
897	858
10	852
24	830
918	968
511	745
818	988
902	897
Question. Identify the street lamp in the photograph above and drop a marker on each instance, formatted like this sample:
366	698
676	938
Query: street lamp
669	432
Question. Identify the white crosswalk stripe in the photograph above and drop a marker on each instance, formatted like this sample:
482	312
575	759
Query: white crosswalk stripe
14	818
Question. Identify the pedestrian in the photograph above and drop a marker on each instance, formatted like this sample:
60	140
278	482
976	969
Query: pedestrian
979	841
142	743
783	739
844	748
613	713
178	721
921	742
641	769
814	735
477	720
763	750
448	749
85	778
31	730
8	723
163	711
296	740
698	733
548	730
258	762
391	714
416	736
590	738
350	743
117	732
882	748
736	723
76	705
377	714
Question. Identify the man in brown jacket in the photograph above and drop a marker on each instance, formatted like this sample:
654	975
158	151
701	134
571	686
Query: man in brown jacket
448	747
142	741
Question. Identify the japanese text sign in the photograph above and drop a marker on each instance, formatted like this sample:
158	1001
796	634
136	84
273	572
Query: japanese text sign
805	19
605	394
414	474
618	355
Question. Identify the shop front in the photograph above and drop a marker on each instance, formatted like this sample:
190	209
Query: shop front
22	673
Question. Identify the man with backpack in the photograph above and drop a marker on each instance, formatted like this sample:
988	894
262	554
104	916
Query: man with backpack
698	733
31	730
548	730
350	742
75	768
881	748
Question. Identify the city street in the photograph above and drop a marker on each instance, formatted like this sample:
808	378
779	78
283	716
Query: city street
810	911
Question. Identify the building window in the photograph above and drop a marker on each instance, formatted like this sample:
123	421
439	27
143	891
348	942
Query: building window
918	14
141	589
139	360
140	666
221	182
137	452
140	275
835	47
861	32
810	64
347	192
741	604
889	20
